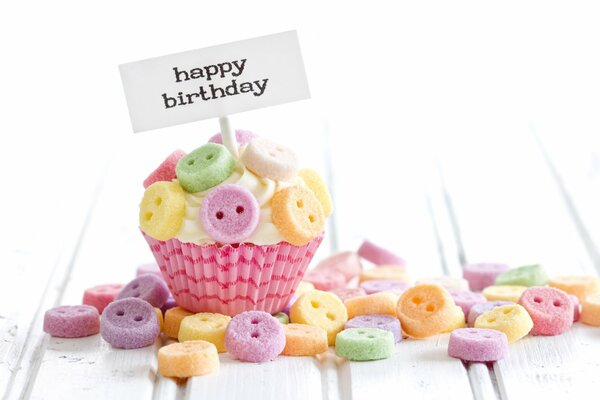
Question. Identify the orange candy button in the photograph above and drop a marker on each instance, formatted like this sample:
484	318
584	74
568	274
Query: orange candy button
304	340
183	360
377	303
173	318
297	214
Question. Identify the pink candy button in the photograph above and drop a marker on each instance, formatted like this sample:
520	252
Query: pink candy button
325	279
348	293
379	255
102	295
346	262
482	275
466	300
550	309
377	285
241	136
166	170
229	214
270	160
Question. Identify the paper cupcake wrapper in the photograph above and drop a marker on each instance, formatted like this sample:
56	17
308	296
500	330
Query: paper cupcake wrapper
230	279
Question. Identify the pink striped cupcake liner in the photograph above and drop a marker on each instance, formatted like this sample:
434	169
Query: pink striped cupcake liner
230	279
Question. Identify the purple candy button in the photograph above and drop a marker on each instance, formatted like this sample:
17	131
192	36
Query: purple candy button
148	287
229	213
466	300
386	322
129	324
72	321
377	285
481	308
254	336
482	275
241	136
478	345
149	268
170	303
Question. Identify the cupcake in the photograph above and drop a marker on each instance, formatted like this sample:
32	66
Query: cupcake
232	235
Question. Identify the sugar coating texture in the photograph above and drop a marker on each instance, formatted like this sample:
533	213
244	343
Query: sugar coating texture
173	318
379	255
102	295
129	323
282	317
347	263
478	345
72	321
162	210
293	299
304	340
321	309
184	360
146	287
550	309
363	344
376	303
503	293
325	279
481	308
210	327
590	310
241	136
229	214
482	275
385	272
576	307
149	268
304	287
511	319
297	214
579	285
385	322
315	183
382	285
528	275
205	167
166	170
466	300
448	282
161	319
254	336
348	293
271	160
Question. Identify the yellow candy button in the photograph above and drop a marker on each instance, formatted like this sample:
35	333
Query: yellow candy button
580	286
503	293
205	326
511	319
183	360
159	315
315	183
377	303
297	214
322	309
304	340
385	272
590	310
173	318
162	210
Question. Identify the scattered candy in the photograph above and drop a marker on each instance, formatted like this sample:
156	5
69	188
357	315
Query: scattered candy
379	255
159	315
377	303
576	306
282	318
315	183
511	319
379	285
173	318
170	303
205	326
205	167
477	345
304	340
348	293
229	214
287	308
184	360
325	279
590	310
254	336
528	275
270	160
386	272
100	296
362	344
241	136
321	309
72	321
346	262
162	210
304	287
481	308
297	214
147	287
448	282
466	300
550	309
385	322
503	293
482	275
166	170
129	323
581	286
149	268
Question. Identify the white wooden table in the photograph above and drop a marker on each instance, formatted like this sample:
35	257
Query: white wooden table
514	193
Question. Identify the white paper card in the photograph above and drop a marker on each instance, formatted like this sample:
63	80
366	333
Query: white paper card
214	81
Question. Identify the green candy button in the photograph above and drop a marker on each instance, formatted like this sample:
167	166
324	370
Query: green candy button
282	317
362	344
205	167
528	275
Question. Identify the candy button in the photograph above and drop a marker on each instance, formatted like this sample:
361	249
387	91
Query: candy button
477	345
149	268
481	308
503	293
385	272
102	295
482	275
448	282
241	136
288	306
466	300
254	336
297	214
379	285
379	255
229	214
147	287
528	275
184	360
324	279
304	287
576	310
590	310
173	318
205	167
377	303
162	210
166	170
315	183
362	344
129	324
282	318
72	321
550	309
304	340
385	322
205	326
321	309
348	293
512	319
347	262
270	160
159	315
170	303
580	286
